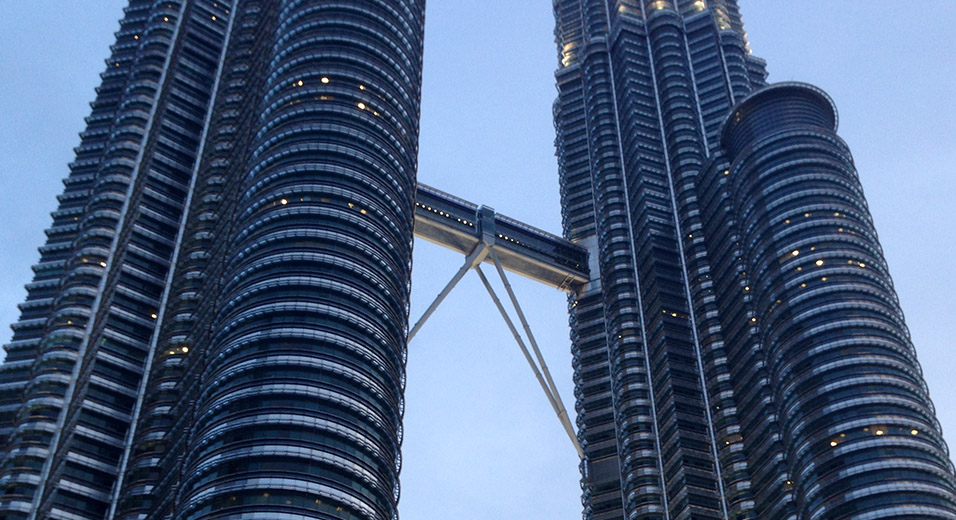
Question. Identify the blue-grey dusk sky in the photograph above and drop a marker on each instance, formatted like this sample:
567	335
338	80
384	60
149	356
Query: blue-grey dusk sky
480	438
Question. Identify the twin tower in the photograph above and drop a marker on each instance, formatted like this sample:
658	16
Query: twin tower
217	324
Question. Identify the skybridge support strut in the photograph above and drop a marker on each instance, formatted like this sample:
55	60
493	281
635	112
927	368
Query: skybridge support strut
556	401
549	391
471	261
482	250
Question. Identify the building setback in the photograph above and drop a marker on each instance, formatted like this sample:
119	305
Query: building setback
216	327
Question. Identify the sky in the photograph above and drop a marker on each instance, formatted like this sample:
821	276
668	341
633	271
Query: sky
481	440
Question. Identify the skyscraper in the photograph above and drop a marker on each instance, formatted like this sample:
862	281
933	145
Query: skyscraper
229	266
742	353
167	376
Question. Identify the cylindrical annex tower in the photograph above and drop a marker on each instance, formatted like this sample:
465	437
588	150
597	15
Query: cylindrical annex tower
300	411
859	431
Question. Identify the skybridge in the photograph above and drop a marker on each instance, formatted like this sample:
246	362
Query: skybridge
485	237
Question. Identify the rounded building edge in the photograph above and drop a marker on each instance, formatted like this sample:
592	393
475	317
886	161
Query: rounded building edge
777	92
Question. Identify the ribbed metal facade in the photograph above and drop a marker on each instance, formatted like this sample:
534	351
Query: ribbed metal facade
742	353
217	325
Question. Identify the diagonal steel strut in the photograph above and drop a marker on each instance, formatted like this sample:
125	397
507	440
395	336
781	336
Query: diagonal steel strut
556	399
553	397
472	260
540	368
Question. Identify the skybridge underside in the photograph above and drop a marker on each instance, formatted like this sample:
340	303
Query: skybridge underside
460	225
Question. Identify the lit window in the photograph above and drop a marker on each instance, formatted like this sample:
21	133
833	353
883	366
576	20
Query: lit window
833	443
185	349
914	431
135	36
283	202
361	105
862	264
806	214
324	80
299	83
819	262
153	315
165	18
879	432
824	278
754	319
361	87
786	221
747	288
102	264
214	18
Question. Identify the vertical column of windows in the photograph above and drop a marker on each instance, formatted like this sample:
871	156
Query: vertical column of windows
631	393
107	382
178	351
751	402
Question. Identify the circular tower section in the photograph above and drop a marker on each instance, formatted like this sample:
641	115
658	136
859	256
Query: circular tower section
859	429
300	414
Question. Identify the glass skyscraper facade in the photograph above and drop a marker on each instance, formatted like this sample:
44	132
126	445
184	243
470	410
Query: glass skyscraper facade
216	327
740	352
217	324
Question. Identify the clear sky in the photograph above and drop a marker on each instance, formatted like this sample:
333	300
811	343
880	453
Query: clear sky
480	438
